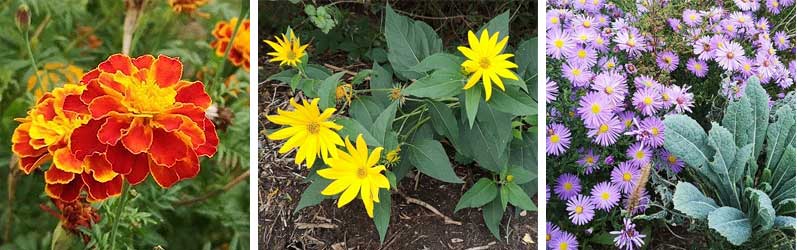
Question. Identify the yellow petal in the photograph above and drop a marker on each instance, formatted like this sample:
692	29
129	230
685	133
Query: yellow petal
374	158
335	187
474	78
488	89
497	81
473	41
362	149
349	194
284	133
293	142
365	195
326	114
311	144
469	53
505	73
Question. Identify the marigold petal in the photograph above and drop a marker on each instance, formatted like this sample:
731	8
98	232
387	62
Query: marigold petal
167	71
57	176
144	61
193	93
211	140
139	171
92	91
100	168
122	161
63	159
101	106
28	164
102	190
89	76
117	62
187	168
112	130
139	136
164	176
84	140
66	192
169	149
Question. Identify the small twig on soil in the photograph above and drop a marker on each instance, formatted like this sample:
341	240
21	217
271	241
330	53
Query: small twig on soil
446	219
485	247
300	225
227	187
430	17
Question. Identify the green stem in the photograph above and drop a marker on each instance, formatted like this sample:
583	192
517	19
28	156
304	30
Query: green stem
244	14
33	61
120	205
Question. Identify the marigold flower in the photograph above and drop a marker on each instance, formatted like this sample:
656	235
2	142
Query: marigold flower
486	62
47	133
186	6
287	50
309	130
239	53
145	119
356	172
74	215
52	74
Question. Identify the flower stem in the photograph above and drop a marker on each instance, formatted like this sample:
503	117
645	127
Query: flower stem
32	61
244	14
118	210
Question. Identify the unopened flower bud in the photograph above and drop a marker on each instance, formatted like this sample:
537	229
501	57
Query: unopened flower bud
22	18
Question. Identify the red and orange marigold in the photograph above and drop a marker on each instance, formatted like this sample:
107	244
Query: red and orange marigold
239	53
47	134
145	119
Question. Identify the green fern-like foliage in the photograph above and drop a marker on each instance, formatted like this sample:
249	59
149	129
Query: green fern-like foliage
745	168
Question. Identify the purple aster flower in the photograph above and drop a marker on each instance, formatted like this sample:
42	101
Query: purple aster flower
584	21
766	66
628	238
605	132
793	68
644	81
584	36
675	24
612	85
553	19
671	161
625	176
773	6
747	67
627	117
600	43
583	55
639	154
551	232
630	42
650	131
715	13
667	61
577	74
565	241
609	160
557	42
692	18
703	49
558	139
682	99
580	209
605	196
594	108
747	5
590	161
647	100
697	67
567	186
782	40
551	91
547	193
729	56
608	63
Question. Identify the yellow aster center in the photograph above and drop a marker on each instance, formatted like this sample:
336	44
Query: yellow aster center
782	40
603	129
582	54
558	43
599	40
747	67
671	159
605	196
596	108
554	20
563	246
647	100
665	96
579	209
626	176
587	24
627	123
668	60
775	3
484	63
313	127
654	131
609	89
576	72
639	154
547	237
591	159
568	186
698	67
729	27
555	138
692	17
582	37
148	97
631	42
610	65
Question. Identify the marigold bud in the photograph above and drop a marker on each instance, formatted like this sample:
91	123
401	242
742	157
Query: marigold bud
23	18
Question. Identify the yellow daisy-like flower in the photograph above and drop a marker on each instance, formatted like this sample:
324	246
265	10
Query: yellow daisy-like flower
308	129
356	172
486	62
287	50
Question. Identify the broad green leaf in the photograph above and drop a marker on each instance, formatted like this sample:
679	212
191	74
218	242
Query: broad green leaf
526	59
317	72
780	153
513	101
689	200
785	222
384	123
759	100
326	91
359	78
408	43
489	138
439	61
443	120
737	120
519	198
430	158
478	195
352	128
523	153
785	189
312	194
391	178
364	110
761	210
520	175
381	82
786	206
439	84
473	97
742	158
603	239
731	224
498	24
382	213
492	213
687	140
724	147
